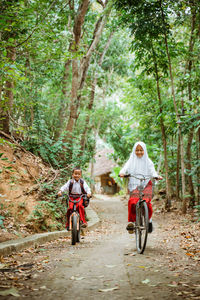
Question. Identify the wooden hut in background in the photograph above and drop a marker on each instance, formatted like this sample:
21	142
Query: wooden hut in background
101	170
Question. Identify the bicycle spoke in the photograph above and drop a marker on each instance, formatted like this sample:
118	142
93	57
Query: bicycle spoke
141	227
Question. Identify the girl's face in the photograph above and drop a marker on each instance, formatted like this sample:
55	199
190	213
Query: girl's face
76	175
139	151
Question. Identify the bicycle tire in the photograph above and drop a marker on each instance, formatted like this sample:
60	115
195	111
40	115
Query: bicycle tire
142	227
78	235
74	229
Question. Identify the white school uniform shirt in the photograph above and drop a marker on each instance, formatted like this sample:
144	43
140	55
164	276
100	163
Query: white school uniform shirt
136	165
76	188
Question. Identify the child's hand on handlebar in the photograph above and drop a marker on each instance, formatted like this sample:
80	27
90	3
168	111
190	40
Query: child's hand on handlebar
59	194
121	175
89	195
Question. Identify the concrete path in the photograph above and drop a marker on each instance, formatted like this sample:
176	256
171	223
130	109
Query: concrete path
8	247
104	265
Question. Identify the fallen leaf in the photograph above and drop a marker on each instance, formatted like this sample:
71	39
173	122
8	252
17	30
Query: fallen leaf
12	291
109	290
130	253
146	281
172	285
196	258
43	287
77	278
189	254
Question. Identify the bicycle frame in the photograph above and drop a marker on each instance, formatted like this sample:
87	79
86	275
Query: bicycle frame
74	212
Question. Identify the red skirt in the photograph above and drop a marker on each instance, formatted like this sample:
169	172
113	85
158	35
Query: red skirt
134	197
80	209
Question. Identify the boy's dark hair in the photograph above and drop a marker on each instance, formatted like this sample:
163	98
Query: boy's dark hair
76	168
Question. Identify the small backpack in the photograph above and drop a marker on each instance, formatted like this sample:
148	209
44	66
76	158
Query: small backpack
85	199
81	184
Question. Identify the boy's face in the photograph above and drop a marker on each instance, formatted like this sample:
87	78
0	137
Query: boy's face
76	175
139	151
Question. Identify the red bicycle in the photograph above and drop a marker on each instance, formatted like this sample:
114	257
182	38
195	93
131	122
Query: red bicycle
74	218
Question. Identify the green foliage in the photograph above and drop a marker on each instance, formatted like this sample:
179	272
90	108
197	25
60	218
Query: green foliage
53	211
1	221
198	212
121	182
35	52
10	168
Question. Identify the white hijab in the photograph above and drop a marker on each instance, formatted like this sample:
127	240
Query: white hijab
138	165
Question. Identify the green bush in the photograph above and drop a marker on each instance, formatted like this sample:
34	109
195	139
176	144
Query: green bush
1	221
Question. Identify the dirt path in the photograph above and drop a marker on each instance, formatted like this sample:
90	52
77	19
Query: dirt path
105	264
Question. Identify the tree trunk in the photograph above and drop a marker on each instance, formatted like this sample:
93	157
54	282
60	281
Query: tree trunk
96	131
92	176
184	205
7	101
164	139
78	23
198	169
86	60
178	169
92	94
188	165
65	82
191	132
96	38
75	101
64	101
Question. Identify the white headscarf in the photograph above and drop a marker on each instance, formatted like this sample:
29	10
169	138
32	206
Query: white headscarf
138	165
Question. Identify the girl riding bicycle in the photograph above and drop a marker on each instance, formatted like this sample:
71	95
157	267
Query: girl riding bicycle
139	163
76	187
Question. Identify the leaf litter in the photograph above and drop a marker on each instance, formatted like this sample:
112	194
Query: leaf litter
109	289
12	291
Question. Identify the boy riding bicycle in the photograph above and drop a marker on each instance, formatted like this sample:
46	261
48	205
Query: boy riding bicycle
76	187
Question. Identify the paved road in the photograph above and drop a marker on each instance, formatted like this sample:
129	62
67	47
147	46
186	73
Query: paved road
105	264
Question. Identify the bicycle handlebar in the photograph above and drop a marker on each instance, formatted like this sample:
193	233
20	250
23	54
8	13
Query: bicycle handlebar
139	178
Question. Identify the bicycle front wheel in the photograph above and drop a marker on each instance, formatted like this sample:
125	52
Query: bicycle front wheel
78	234
142	226
74	229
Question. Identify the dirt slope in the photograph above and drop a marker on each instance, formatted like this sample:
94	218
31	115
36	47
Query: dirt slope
20	171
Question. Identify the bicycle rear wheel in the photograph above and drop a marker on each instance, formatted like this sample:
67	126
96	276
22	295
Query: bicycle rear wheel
142	226
74	229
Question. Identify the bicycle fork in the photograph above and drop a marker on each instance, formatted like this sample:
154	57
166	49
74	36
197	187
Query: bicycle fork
70	220
139	213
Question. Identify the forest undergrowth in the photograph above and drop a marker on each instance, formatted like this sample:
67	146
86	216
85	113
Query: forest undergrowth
27	194
28	204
